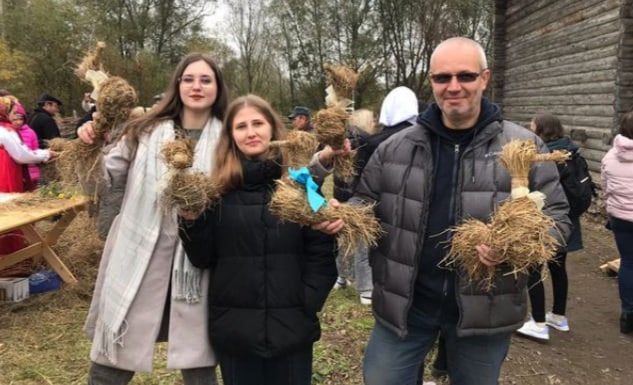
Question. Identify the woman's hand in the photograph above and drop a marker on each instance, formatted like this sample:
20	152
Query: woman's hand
86	133
330	227
188	215
488	256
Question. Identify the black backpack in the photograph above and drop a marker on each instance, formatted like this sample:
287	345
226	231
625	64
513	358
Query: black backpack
577	183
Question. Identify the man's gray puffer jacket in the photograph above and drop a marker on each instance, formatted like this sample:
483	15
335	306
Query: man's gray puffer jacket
399	178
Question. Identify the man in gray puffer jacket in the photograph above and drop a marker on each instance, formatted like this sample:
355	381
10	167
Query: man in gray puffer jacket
426	179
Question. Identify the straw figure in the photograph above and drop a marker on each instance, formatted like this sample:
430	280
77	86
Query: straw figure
78	161
289	200
361	226
299	147
342	82
518	231
186	190
91	69
330	123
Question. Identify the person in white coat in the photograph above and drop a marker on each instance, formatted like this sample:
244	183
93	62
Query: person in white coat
146	289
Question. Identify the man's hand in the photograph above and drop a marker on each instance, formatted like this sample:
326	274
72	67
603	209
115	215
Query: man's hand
330	227
487	256
327	155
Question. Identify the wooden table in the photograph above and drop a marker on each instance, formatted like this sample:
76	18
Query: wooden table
24	218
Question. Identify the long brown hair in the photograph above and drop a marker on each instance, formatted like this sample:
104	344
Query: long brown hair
227	169
170	106
548	127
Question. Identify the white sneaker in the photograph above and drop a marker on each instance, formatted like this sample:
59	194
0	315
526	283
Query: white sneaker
531	329
340	283
365	300
558	322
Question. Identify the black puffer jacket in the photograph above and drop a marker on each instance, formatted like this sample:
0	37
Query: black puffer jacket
268	279
399	176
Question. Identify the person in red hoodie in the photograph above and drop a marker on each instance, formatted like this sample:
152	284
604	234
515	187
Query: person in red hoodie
29	138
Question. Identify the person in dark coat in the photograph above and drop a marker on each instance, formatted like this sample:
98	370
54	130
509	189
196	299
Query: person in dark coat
42	119
268	279
549	128
425	180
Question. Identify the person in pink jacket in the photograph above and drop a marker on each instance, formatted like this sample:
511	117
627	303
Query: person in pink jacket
29	137
617	185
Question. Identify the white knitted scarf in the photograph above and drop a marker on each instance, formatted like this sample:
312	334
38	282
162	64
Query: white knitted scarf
136	237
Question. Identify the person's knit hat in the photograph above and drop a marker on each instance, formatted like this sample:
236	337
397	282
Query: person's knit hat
19	109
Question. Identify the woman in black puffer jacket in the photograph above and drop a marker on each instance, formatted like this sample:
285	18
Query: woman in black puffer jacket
268	279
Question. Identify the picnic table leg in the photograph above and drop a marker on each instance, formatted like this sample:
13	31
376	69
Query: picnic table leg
49	255
53	234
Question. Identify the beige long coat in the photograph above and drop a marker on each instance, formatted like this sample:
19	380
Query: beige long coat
186	333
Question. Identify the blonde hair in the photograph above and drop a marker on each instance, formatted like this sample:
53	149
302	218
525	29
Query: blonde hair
363	119
227	169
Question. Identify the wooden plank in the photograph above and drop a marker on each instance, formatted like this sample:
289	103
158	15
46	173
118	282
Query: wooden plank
594	61
30	251
606	23
590	38
570	100
12	217
611	267
587	87
536	15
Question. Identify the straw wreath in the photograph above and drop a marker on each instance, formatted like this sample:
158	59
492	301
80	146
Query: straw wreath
518	231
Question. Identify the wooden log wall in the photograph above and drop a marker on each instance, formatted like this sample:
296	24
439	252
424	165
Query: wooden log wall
571	58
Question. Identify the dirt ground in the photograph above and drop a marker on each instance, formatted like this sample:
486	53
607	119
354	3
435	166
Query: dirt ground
593	351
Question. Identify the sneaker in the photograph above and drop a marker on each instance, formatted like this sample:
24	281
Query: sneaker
558	322
365	300
531	329
340	283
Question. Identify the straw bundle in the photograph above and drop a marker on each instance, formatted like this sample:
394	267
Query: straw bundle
517	157
330	129
78	161
186	190
190	192
178	153
519	232
342	78
92	61
62	168
300	146
116	100
289	203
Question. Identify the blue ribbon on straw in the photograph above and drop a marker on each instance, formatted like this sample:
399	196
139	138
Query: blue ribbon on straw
302	176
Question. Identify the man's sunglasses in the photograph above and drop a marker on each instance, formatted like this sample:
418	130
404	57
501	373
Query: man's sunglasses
462	77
